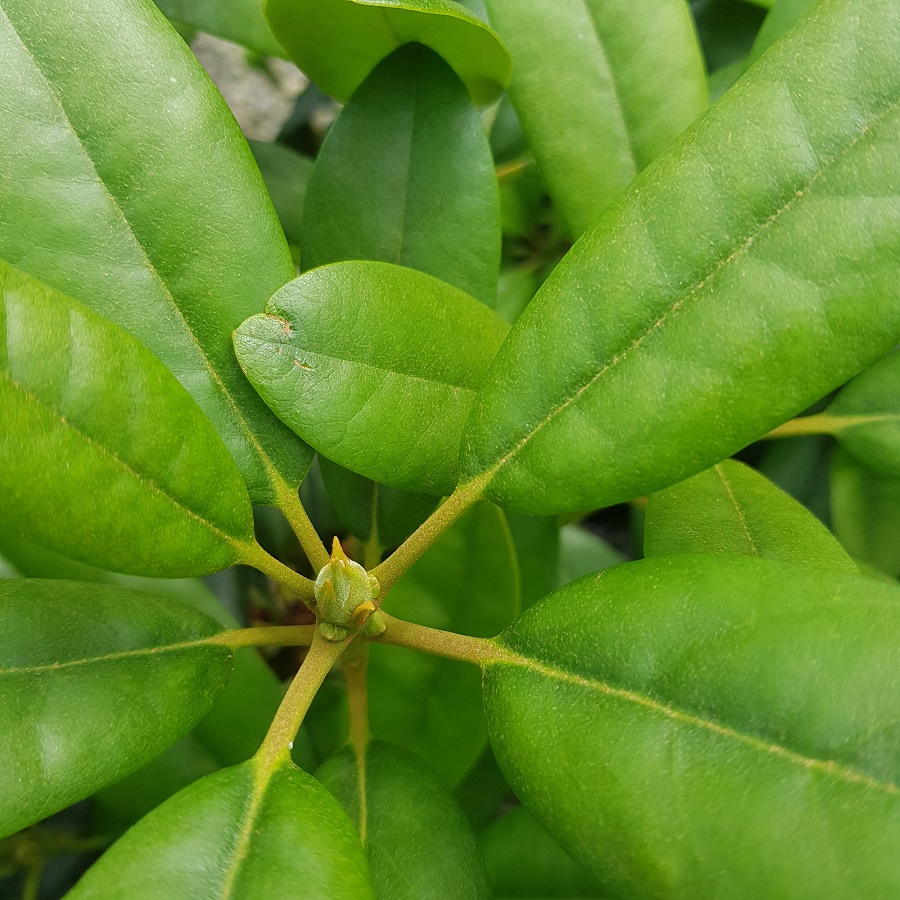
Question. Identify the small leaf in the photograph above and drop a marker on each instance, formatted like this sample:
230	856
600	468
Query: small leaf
865	510
601	89
765	242
338	42
104	457
730	509
704	726
242	833
95	681
468	583
417	839
374	365
138	197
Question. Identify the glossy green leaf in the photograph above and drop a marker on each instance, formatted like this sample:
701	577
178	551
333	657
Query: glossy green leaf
865	416
704	726
94	682
376	366
784	15
103	455
865	510
418	842
406	176
731	509
338	42
240	833
467	583
137	196
286	174
241	21
525	863
601	88
582	553
764	243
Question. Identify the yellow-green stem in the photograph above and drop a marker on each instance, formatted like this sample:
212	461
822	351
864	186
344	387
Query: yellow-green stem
440	643
268	636
289	503
255	556
358	702
804	425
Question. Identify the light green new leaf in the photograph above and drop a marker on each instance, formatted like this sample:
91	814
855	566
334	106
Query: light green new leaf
525	863
753	268
406	176
242	833
95	681
138	197
601	88
241	21
784	15
417	839
865	510
376	366
467	583
338	42
103	455
702	726
731	509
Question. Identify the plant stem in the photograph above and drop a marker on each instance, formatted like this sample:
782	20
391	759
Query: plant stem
32	886
255	556
818	424
268	636
440	643
289	503
389	572
278	742
355	673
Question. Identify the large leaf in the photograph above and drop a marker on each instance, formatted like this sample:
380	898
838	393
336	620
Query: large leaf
138	197
419	844
468	583
94	682
376	366
103	455
406	176
338	42
730	509
241	21
244	833
703	726
749	271
865	510
601	87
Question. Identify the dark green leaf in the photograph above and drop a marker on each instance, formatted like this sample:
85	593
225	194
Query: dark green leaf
94	682
865	510
338	42
537	543
136	194
765	243
582	553
731	509
467	582
785	14
103	455
483	791
419	844
799	466
601	88
727	29
705	726
241	833
406	176
376	366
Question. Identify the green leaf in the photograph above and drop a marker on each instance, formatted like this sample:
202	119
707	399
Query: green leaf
704	726
104	456
601	88
138	197
286	174
406	176
764	243
581	553
784	15
726	29
241	21
799	466
484	791
376	366
731	509
537	543
94	682
865	510
525	863
338	42
419	844
242	833
865	416
468	583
